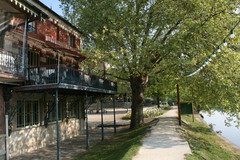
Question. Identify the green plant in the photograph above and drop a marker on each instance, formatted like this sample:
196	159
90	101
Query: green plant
205	144
146	114
121	147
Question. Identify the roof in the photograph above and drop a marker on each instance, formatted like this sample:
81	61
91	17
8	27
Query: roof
54	13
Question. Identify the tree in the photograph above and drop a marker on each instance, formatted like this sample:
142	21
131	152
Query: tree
142	38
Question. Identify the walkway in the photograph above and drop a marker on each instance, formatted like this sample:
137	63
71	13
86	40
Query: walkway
164	142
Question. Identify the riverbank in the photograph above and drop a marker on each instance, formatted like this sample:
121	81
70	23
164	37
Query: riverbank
206	144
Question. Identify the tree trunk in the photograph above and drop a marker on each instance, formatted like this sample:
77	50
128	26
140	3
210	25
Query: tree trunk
137	85
158	99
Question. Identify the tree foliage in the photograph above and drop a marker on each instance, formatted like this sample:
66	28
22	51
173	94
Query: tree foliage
162	40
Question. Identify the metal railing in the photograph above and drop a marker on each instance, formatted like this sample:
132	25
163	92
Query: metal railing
11	62
49	74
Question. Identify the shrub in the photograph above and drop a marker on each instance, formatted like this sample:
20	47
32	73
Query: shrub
146	114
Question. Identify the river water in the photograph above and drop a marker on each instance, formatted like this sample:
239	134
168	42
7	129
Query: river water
217	120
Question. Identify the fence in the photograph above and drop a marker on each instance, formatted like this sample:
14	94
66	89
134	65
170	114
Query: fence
11	63
49	74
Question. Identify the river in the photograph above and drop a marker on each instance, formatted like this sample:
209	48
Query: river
217	119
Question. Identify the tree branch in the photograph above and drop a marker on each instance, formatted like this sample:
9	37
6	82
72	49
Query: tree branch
124	79
157	33
170	31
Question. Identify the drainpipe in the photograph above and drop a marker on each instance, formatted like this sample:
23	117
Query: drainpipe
7	137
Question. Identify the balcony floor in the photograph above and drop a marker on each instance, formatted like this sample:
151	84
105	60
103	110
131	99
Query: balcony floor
63	87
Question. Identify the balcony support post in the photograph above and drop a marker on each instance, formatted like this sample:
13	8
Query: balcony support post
57	126
102	117
25	48
58	69
86	119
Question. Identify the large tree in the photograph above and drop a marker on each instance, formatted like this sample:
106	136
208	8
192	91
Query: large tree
139	38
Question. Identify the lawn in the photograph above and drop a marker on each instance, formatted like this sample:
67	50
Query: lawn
206	144
123	146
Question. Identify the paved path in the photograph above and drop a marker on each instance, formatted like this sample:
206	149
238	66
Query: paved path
164	142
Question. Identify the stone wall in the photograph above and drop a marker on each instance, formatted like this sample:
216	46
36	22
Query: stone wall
29	138
2	146
32	138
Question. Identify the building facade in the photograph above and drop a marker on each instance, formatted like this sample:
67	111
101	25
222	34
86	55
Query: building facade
40	78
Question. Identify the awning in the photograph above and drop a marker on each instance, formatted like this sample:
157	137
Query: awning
27	7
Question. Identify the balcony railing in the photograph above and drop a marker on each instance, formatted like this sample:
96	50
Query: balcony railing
49	75
11	63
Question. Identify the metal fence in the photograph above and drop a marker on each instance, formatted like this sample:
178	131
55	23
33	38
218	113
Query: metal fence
49	74
10	63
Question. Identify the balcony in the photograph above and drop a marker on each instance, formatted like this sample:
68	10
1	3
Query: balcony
63	77
11	69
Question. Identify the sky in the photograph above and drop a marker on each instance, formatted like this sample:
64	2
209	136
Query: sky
54	5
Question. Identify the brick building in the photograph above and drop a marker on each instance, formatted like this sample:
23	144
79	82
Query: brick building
40	77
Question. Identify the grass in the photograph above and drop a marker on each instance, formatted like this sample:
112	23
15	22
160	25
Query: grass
205	144
146	114
123	146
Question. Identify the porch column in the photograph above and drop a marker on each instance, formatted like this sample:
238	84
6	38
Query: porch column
114	115
102	119
25	48
86	119
57	127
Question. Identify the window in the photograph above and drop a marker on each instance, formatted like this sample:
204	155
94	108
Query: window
31	27
51	61
72	109
51	108
71	41
27	113
33	59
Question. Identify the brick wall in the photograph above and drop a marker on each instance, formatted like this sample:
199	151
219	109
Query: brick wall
63	35
52	30
47	28
77	43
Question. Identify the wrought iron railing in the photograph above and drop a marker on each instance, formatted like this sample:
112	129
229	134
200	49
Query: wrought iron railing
11	62
49	74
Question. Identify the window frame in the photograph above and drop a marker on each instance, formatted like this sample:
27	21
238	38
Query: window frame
31	27
52	115
33	58
51	61
71	41
26	115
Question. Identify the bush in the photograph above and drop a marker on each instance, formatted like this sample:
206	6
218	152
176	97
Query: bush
146	114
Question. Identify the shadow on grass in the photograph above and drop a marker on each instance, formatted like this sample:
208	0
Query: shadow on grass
123	146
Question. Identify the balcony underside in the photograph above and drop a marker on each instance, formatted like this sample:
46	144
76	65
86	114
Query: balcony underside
65	88
10	78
